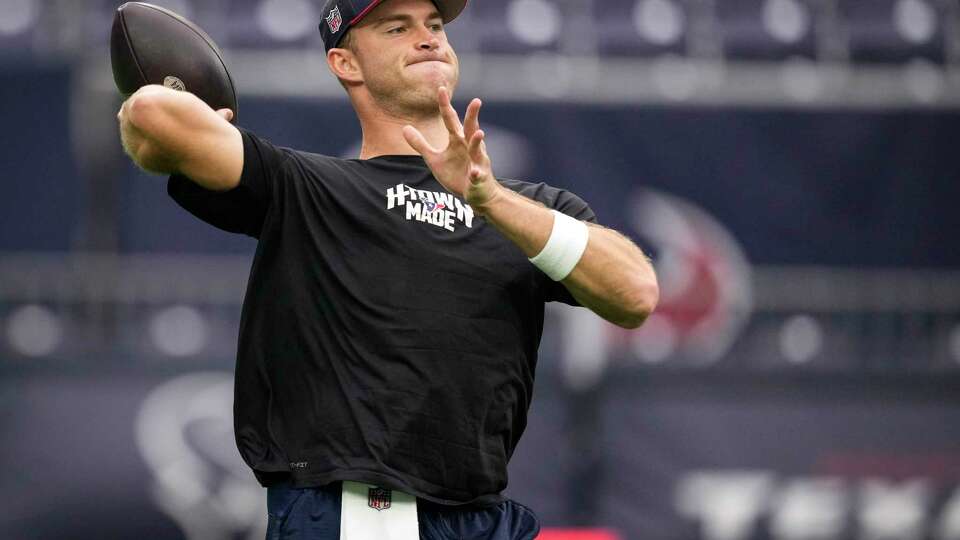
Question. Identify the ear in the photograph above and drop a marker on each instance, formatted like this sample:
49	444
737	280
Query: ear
344	65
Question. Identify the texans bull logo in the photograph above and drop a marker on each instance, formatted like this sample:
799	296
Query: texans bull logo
705	282
431	206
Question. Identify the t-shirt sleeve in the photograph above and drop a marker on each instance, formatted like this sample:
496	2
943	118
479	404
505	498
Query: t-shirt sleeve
573	206
242	209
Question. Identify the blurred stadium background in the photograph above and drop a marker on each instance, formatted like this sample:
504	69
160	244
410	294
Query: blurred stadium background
791	164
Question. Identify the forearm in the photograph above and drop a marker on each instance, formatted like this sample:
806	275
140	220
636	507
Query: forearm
525	222
142	118
165	131
613	278
145	153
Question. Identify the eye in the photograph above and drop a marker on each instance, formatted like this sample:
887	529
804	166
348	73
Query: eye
396	30
436	27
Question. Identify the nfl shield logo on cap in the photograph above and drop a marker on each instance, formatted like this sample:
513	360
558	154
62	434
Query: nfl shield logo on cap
334	20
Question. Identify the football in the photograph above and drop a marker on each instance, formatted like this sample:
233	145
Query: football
153	45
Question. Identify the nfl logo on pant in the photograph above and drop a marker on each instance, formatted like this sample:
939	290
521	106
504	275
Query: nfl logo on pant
378	498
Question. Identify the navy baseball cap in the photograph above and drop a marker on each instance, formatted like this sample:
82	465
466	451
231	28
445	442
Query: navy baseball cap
340	15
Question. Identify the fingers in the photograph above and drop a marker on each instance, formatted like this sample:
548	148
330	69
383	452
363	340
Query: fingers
450	118
471	122
479	161
417	141
476	148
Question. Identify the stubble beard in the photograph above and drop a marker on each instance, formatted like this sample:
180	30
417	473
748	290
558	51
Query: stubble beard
402	97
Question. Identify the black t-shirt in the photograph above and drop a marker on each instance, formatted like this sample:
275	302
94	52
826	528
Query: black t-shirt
388	335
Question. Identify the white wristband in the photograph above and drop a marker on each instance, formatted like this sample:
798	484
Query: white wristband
566	245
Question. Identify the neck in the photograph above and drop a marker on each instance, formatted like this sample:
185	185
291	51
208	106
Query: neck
383	132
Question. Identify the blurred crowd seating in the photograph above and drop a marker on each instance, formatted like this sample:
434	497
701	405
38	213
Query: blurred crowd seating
875	31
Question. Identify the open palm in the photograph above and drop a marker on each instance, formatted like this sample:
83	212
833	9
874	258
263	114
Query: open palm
463	168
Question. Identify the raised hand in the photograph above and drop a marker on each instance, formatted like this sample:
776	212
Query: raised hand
463	168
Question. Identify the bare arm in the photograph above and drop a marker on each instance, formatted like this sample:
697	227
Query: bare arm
613	278
165	132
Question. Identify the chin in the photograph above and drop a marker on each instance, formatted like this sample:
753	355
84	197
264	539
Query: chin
433	81
415	90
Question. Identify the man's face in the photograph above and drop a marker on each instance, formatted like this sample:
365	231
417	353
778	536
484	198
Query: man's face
404	55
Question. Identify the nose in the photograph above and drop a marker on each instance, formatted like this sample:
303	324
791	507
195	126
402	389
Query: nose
427	40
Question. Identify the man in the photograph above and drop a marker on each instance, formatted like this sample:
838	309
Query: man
390	328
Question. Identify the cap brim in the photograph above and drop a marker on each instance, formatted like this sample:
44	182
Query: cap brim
449	9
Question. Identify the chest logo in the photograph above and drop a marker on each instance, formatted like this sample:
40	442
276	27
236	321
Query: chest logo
439	209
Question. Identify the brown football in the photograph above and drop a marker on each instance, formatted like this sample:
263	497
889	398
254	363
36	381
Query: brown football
153	45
